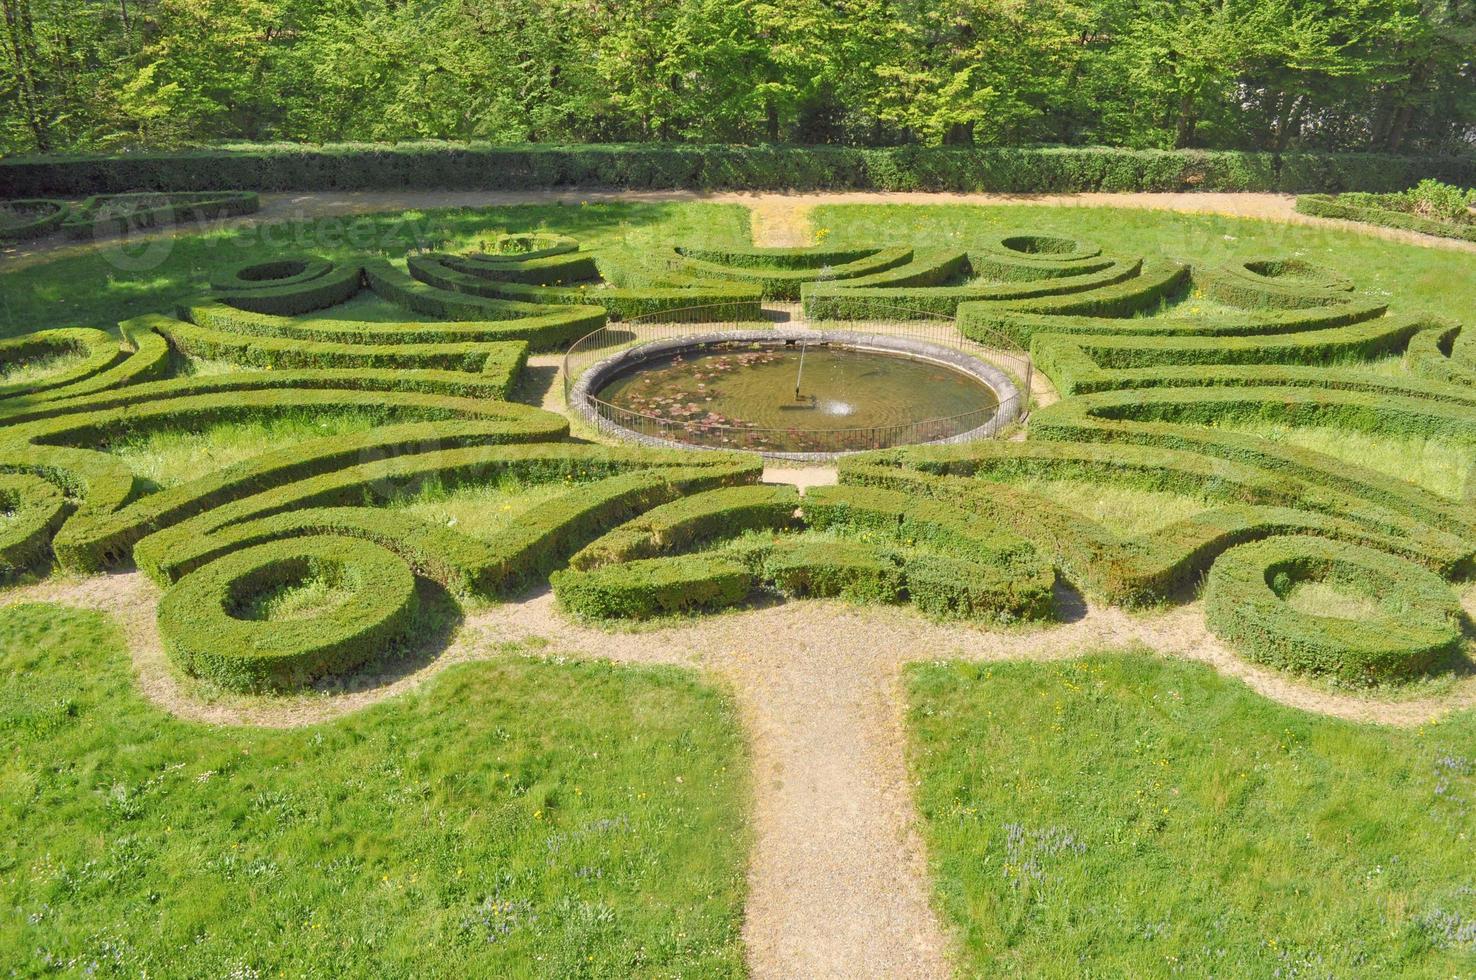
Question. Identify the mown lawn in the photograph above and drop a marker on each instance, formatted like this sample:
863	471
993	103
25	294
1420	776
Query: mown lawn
1124	815
1411	277
516	817
115	281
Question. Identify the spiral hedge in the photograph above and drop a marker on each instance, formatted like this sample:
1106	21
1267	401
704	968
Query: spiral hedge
1418	623
950	529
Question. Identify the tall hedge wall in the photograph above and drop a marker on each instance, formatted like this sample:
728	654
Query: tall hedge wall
351	166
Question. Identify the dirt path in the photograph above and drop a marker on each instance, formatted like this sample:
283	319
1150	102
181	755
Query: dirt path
777	218
838	883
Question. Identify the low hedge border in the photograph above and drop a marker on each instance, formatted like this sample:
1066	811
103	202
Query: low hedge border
855	300
683	524
35	509
784	282
1242	287
653	587
549	326
30	217
289	270
1246	605
1365	208
99	352
480	165
295	295
847	570
205	635
557	269
717	301
114	214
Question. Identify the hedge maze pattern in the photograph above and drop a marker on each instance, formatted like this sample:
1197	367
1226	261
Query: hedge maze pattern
639	533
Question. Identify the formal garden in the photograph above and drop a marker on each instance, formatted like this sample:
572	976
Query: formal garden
428	590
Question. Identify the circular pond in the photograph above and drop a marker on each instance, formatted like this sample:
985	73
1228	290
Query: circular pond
796	395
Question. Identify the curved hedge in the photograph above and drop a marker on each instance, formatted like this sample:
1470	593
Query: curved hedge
32	217
208	632
653	587
1418	625
114	214
1369	209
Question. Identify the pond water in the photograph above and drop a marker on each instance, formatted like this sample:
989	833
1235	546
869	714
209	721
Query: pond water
760	397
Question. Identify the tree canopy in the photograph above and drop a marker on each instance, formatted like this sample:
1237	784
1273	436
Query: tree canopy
1389	75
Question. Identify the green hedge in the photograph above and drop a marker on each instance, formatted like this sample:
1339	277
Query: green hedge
114	214
834	569
718	301
784	279
1367	208
205	630
856	299
35	508
1419	624
683	524
489	166
557	269
546	327
30	218
296	295
653	587
99	352
288	270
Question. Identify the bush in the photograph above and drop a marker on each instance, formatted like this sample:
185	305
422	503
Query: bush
1418	625
206	632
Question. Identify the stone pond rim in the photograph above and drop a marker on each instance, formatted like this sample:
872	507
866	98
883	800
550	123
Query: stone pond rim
1010	399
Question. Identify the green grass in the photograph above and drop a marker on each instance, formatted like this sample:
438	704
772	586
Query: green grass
40	368
1126	511
1442	466
1411	277
314	596
166	457
513	817
1321	599
1123	815
99	286
479	511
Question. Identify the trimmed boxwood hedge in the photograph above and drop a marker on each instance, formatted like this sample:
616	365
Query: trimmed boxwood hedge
848	570
204	630
34	509
792	268
1418	628
30	218
1368	209
295	294
706	300
683	524
114	214
653	587
478	165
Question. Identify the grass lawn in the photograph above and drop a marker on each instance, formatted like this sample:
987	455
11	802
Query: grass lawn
101	286
1409	276
514	817
1123	815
